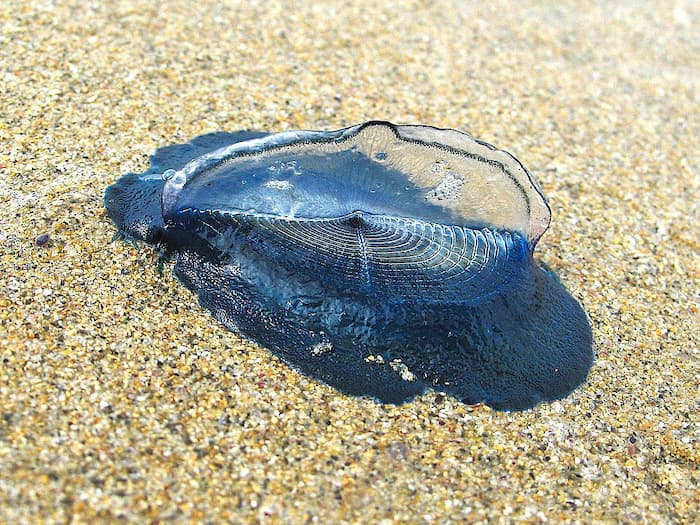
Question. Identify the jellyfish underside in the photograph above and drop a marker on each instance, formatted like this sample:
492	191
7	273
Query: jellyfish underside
365	258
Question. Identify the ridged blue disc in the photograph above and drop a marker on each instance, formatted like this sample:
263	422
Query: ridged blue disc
380	259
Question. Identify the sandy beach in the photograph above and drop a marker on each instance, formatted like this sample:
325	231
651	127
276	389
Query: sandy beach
122	400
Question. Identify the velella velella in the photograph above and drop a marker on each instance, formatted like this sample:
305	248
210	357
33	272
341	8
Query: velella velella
380	259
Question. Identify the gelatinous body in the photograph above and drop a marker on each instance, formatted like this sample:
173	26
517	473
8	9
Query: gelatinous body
379	259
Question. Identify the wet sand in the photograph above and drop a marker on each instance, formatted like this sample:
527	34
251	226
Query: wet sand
122	400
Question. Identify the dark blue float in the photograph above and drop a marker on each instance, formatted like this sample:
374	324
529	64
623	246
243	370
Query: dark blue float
379	259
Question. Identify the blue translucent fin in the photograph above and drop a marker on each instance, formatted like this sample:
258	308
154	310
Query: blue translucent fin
134	201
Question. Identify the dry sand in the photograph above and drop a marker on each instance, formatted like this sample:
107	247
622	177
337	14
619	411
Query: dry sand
122	400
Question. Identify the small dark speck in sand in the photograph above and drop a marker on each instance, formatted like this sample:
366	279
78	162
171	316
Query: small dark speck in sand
42	240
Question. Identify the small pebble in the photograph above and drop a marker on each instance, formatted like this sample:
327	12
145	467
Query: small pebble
42	240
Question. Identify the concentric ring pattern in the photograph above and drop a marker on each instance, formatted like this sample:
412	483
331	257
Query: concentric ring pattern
397	259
